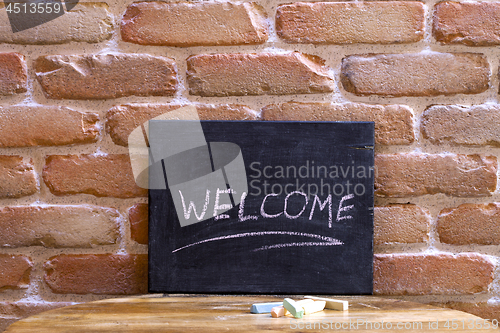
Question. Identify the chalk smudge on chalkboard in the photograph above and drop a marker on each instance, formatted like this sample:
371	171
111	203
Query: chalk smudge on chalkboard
330	240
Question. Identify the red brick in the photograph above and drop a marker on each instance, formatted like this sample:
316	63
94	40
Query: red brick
194	24
480	309
17	178
117	274
89	22
393	123
401	223
14	271
104	76
469	23
121	120
415	74
413	174
24	126
378	22
474	125
431	274
240	74
470	224
102	176
58	226
14	311
138	217
13	73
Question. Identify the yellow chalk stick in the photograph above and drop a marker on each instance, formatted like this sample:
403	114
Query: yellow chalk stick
304	301
333	304
313	307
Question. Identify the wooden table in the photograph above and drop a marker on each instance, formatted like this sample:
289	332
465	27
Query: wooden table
164	313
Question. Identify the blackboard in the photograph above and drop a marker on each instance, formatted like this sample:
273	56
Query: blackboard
280	250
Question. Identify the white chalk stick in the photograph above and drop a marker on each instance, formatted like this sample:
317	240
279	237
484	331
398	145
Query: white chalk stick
333	304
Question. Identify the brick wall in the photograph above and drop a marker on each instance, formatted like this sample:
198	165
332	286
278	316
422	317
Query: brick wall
73	224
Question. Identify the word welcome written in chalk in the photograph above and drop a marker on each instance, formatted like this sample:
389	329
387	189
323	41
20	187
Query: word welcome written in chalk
342	211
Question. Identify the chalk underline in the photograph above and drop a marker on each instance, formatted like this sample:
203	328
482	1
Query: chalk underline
327	241
280	246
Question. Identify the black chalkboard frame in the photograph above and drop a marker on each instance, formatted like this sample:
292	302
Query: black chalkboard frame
295	270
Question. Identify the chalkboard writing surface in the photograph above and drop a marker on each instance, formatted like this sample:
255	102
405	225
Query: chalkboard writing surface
304	224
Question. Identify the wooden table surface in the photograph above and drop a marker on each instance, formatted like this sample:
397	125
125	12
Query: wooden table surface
165	313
